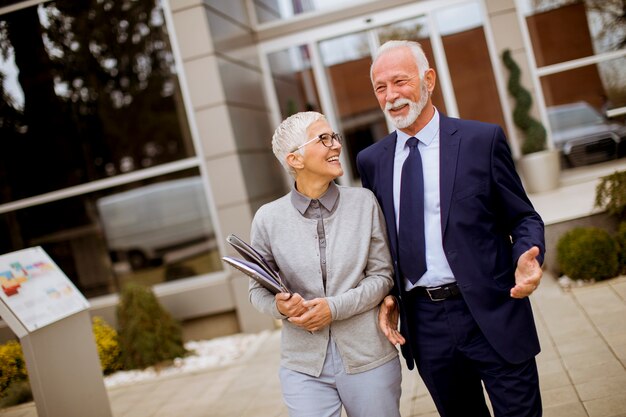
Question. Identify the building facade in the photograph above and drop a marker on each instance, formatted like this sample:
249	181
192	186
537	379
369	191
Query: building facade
136	135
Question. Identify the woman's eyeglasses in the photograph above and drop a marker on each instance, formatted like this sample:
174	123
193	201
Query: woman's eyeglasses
327	139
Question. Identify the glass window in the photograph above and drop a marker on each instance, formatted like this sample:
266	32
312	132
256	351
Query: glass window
88	90
4	3
469	63
293	80
273	10
347	60
603	85
580	118
88	93
586	103
563	30
149	231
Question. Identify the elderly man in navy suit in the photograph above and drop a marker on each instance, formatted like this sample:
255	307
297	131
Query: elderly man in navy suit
466	242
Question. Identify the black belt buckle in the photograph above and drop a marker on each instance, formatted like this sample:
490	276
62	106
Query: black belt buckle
432	290
441	293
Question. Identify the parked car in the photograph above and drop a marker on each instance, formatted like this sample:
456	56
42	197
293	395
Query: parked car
583	135
144	224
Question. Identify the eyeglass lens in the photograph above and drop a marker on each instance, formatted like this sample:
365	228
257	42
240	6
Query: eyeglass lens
327	139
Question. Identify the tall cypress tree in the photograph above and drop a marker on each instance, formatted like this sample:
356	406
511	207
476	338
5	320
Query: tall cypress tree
534	132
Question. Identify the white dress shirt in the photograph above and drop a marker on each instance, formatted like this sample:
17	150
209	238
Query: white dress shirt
438	270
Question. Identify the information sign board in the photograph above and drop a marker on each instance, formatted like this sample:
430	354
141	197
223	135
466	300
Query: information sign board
35	290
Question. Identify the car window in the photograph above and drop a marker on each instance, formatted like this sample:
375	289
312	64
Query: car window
568	117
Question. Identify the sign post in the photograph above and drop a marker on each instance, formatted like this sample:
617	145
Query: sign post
51	318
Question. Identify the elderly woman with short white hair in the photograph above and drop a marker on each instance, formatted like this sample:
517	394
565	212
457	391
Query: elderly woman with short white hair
330	245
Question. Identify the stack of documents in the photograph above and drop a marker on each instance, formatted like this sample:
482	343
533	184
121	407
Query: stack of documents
254	265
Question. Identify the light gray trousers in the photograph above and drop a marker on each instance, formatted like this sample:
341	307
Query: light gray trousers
373	393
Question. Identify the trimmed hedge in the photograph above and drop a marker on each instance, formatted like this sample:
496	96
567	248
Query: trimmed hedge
588	253
147	333
620	237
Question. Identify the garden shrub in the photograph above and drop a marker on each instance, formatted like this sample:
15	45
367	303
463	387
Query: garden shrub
620	237
108	346
588	253
611	194
148	334
12	365
18	392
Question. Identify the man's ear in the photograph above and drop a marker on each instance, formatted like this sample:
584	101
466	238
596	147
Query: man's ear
294	160
430	77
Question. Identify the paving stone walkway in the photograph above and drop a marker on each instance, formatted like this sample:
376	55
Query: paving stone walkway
582	368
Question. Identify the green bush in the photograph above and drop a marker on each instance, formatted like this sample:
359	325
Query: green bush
588	253
148	335
108	346
12	365
18	392
611	194
620	237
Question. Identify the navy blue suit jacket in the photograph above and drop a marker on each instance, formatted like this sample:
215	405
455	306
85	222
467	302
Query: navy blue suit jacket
487	222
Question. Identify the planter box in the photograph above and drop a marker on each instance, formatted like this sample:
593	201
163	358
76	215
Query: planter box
540	171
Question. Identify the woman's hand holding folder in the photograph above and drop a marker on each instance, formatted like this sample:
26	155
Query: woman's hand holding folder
290	305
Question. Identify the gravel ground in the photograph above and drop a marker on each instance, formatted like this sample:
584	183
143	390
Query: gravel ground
205	354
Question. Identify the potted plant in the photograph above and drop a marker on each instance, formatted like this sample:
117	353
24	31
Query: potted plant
539	165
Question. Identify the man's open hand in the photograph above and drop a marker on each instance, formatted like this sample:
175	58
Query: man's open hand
527	274
388	320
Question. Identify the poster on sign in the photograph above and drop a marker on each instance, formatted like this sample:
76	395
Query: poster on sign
35	289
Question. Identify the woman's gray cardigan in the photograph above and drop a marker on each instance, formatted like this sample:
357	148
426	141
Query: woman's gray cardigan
359	275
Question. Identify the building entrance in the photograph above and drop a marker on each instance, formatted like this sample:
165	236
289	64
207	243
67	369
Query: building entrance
329	72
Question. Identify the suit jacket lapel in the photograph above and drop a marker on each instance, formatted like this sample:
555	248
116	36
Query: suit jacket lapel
449	139
386	189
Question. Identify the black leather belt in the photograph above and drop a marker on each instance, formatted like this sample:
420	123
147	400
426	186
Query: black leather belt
440	293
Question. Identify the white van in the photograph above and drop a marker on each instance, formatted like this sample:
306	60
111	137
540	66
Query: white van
145	223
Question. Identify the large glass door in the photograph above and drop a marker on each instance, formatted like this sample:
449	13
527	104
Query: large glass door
330	71
346	60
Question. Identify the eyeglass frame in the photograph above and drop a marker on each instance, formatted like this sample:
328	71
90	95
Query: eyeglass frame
334	137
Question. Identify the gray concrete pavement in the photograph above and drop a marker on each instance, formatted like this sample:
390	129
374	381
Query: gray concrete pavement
582	368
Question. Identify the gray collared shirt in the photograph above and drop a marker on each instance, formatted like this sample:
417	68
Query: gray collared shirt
359	269
317	209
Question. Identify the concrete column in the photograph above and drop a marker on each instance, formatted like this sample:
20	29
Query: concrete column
232	124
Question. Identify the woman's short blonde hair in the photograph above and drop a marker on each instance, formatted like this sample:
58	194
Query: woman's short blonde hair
290	134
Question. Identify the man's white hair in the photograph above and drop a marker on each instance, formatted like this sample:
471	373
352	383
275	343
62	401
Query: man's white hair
290	134
416	50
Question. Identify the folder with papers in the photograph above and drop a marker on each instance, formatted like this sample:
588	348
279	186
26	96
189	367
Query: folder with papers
254	265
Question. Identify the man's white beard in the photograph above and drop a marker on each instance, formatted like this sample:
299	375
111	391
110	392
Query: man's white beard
415	108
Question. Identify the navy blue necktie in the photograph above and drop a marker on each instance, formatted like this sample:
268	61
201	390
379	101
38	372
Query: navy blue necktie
411	242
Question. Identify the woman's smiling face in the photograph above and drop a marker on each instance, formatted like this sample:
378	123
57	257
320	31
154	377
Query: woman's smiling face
320	161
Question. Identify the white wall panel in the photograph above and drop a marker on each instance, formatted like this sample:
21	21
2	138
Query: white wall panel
216	131
509	35
251	128
203	77
242	84
262	174
193	34
227	181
